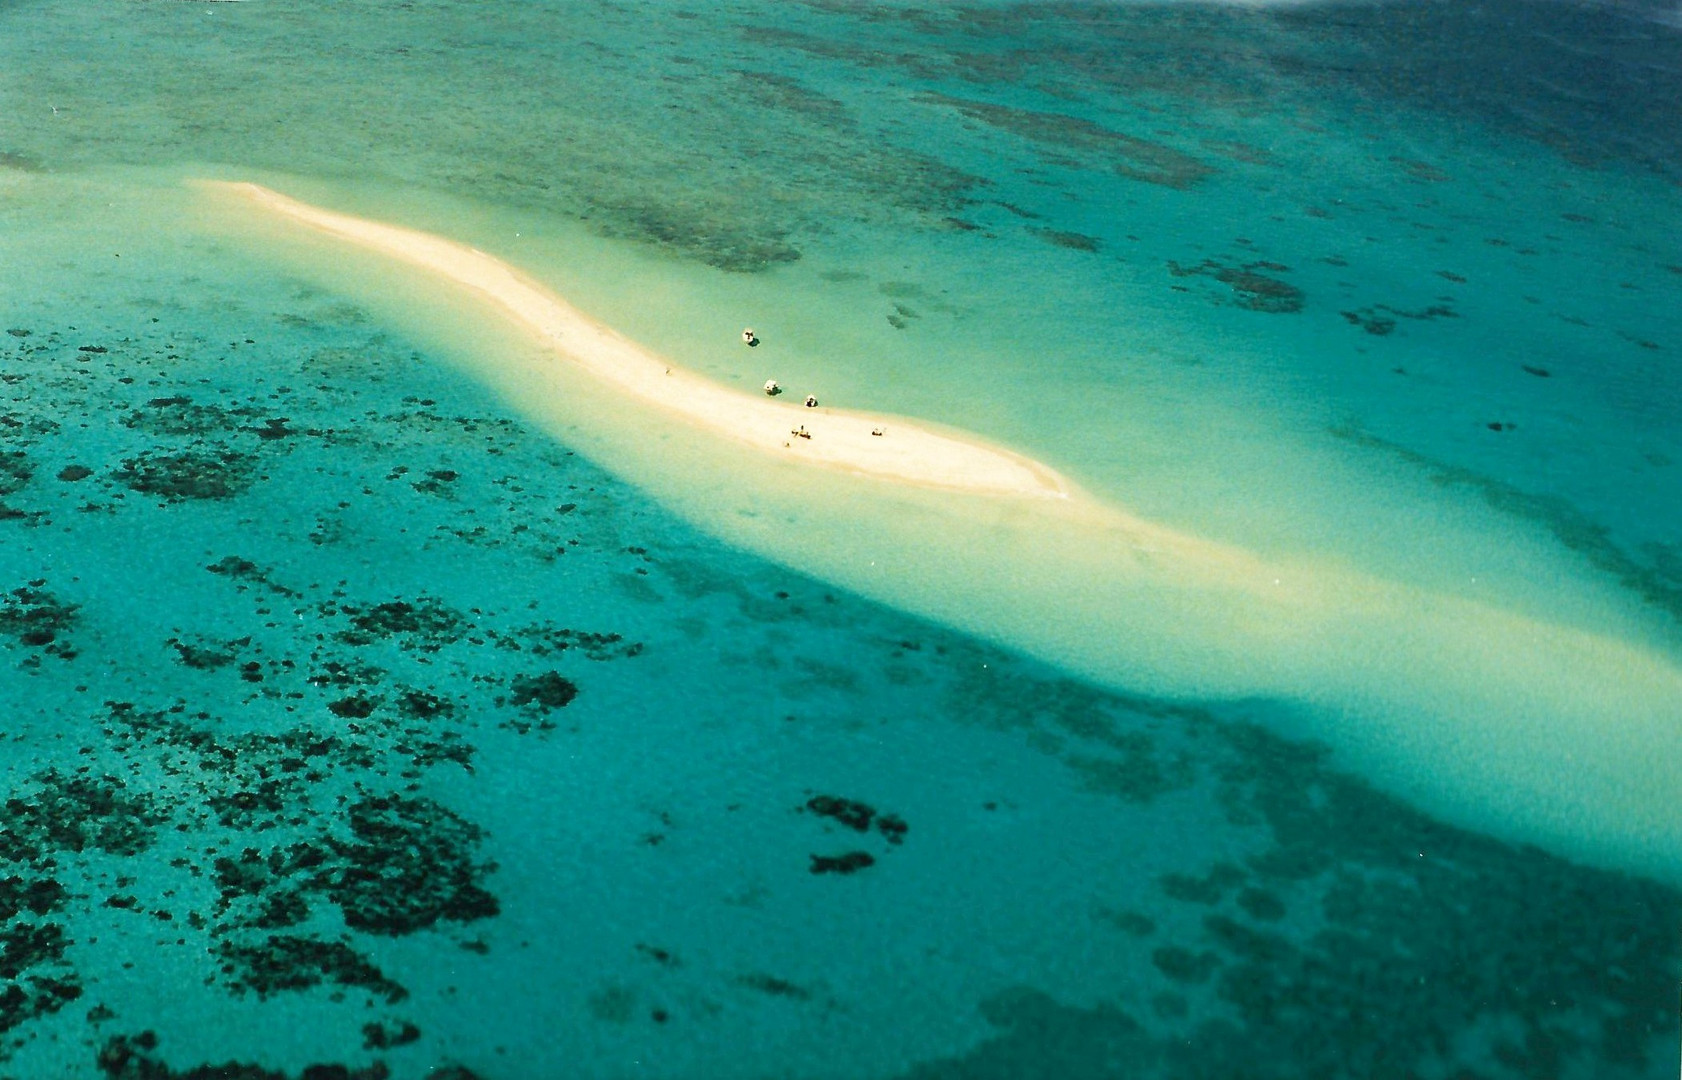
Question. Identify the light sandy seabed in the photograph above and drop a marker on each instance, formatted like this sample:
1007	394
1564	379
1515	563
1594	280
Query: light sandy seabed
882	446
1561	735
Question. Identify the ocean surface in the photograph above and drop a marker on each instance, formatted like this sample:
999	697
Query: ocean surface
380	698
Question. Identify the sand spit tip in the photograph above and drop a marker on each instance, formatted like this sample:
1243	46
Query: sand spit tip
842	440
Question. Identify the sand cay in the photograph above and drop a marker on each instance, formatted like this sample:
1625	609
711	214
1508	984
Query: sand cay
904	451
1566	736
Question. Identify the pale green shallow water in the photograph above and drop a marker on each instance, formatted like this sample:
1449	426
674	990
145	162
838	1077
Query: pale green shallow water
1324	285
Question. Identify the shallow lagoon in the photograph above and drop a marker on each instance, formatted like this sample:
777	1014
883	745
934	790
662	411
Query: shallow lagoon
360	711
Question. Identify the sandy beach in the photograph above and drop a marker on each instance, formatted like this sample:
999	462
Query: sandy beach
885	447
1460	701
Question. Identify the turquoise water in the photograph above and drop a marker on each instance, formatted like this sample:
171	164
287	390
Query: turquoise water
376	695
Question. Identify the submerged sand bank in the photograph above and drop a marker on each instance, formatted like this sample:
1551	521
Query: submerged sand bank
1496	716
904	451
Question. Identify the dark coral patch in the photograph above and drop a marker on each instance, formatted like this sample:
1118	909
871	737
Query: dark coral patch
850	863
274	428
380	1037
425	624
180	415
435	481
774	987
420	705
858	816
355	707
243	809
205	655
1183	965
545	638
849	812
36	617
1261	904
209	472
77	813
722	241
280	909
411	864
1370	322
39	896
1127	155
1369	319
1074	241
24	947
282	962
893	828
238	569
56	814
1254	290
15	471
125	1057
542	693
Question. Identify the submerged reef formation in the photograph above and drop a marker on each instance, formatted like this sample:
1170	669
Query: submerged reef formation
1252	289
1653	572
131	1057
256	788
1341	942
327	682
1128	155
36	618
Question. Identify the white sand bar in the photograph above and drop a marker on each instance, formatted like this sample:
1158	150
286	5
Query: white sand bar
1504	720
834	438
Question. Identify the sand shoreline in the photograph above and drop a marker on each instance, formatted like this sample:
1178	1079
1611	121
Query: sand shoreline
1550	733
905	451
